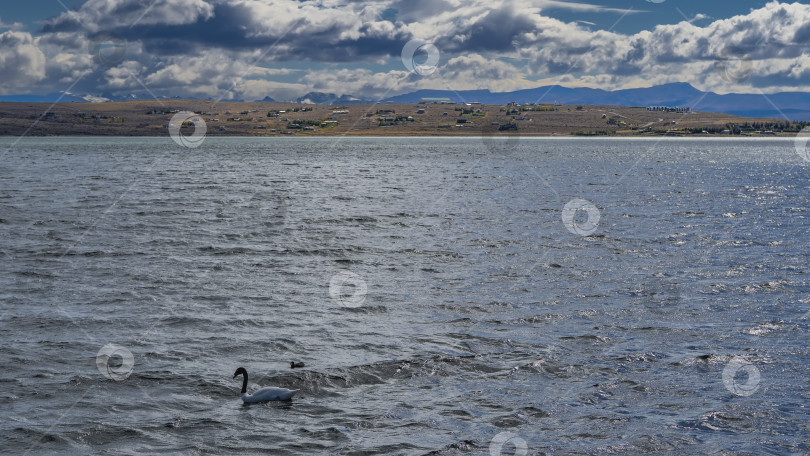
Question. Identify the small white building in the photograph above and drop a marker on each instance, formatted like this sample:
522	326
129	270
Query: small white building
669	109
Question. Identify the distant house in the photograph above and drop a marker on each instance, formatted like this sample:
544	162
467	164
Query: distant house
435	101
669	109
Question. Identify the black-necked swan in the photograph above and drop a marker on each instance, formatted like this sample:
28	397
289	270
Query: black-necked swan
293	364
264	394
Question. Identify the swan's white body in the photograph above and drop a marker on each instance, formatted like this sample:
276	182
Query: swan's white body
268	394
264	394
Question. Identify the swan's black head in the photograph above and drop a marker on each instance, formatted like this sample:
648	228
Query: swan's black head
243	372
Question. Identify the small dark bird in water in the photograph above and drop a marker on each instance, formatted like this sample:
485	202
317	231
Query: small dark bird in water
293	364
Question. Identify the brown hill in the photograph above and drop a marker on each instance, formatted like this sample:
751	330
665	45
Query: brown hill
151	118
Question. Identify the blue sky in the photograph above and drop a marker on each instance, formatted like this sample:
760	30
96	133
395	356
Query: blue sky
649	14
249	49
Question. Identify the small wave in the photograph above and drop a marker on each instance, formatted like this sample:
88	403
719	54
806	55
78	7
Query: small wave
383	372
35	274
587	338
226	251
718	421
765	329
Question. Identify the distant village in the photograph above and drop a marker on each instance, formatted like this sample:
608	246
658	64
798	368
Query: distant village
430	116
669	109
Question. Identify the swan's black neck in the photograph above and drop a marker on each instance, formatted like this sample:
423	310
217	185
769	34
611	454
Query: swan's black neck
242	371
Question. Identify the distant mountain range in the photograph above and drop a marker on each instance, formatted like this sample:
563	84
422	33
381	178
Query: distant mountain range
328	98
64	97
791	105
47	98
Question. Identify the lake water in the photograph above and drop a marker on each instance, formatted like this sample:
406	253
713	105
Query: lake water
448	296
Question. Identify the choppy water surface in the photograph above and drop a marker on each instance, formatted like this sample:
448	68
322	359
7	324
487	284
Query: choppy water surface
677	325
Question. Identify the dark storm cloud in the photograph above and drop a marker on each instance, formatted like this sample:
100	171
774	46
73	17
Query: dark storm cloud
234	26
418	10
496	31
296	41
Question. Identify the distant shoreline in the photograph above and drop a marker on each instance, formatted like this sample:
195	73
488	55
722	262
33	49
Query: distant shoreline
783	137
274	119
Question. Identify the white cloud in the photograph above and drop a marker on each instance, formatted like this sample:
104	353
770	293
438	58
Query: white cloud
98	15
206	48
586	7
678	52
10	26
214	74
21	61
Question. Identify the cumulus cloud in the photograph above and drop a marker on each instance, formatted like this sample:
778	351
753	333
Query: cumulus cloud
685	51
96	15
21	61
222	48
586	7
11	26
